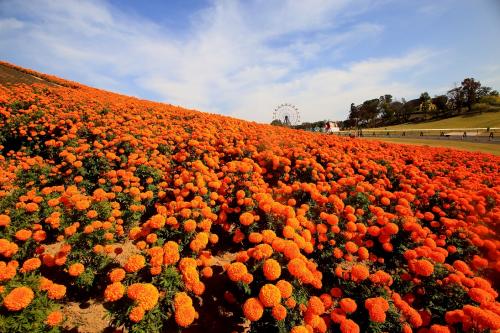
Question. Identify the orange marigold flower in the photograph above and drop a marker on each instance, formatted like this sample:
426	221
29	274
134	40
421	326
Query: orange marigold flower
4	220
76	269
54	318
98	248
31	207
238	236
199	242
198	288
190	275
207	272
327	300
288	232
348	305
253	309
268	236
351	247
381	277
23	234
406	328
214	239
184	315
39	236
181	299
377	308
45	284
291	250
135	263
316	306
189	225
246	219
157	221
82	204
114	292
56	291
423	267
18	298
359	273
478	262
247	278
297	267
279	312
337	315
92	214
262	251
439	329
299	329
348	326
116	275
31	264
255	237
8	249
145	294
151	238
290	303
7	271
480	296
285	288
170	253
184	311
155	270
272	269
136	314
236	271
269	295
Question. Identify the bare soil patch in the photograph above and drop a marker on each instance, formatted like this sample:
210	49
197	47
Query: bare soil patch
88	317
12	76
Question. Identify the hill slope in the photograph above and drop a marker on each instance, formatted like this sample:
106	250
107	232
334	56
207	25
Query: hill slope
483	120
172	219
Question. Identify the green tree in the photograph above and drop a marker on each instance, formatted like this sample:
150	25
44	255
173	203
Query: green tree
456	98
354	116
425	103
386	108
486	91
441	103
470	88
369	110
398	110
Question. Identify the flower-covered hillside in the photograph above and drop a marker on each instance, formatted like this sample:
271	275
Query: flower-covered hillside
174	219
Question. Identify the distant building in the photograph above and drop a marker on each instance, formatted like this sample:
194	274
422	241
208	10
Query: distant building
331	127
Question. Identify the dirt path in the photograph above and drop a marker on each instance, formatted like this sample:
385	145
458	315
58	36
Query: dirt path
12	76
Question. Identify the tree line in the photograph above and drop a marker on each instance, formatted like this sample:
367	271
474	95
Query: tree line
316	126
470	96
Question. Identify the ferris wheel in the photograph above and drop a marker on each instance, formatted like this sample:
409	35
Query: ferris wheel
287	114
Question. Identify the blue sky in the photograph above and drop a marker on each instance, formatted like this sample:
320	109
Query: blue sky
242	58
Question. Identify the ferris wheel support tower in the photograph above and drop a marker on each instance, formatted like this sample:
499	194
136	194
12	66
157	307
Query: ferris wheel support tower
287	114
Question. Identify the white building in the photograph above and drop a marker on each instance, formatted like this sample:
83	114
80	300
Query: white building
331	127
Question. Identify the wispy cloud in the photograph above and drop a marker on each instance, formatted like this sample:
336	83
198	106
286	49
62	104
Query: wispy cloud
10	24
237	58
435	8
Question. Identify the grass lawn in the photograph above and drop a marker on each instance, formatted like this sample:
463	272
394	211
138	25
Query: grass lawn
470	146
486	119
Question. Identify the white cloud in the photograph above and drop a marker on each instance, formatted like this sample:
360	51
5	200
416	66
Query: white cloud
10	24
238	58
435	8
327	93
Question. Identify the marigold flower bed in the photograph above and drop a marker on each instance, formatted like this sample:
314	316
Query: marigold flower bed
323	234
